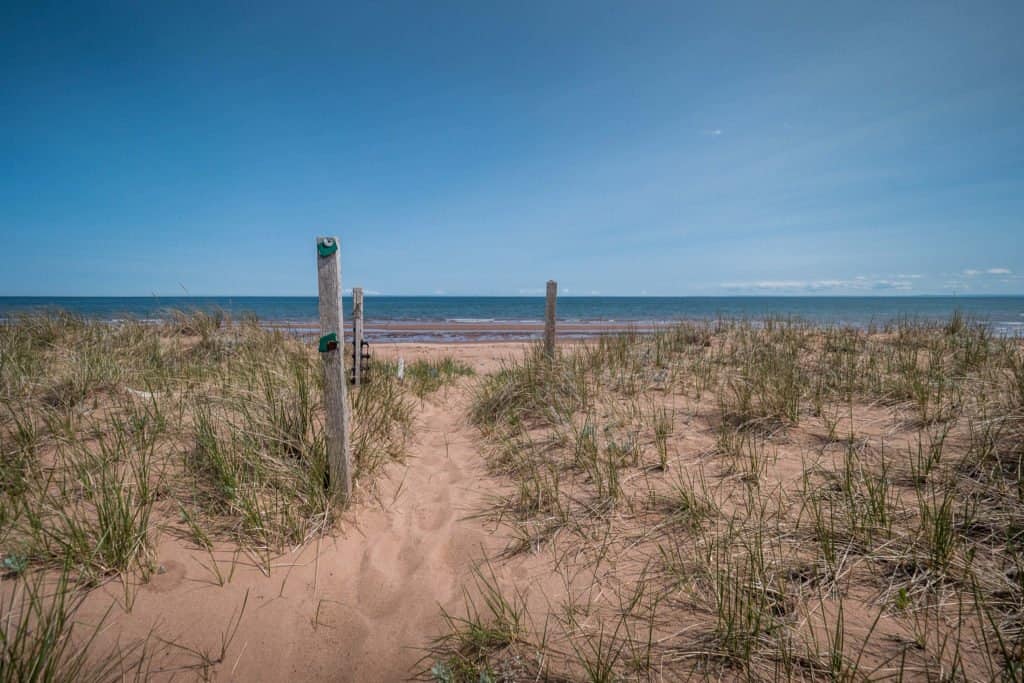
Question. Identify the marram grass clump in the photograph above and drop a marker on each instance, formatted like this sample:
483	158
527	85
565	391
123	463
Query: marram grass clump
755	500
202	426
425	376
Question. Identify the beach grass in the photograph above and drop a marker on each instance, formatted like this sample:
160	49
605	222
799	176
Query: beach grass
723	500
216	422
201	427
758	500
427	375
42	638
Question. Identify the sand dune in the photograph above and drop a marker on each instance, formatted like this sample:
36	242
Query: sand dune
739	501
356	606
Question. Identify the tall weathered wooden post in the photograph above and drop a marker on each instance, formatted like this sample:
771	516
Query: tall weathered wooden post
357	335
549	319
332	341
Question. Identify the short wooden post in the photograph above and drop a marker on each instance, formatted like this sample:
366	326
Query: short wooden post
549	319
357	335
332	342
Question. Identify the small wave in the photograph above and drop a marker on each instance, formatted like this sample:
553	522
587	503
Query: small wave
469	320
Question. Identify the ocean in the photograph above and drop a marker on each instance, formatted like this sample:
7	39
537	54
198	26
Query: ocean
426	318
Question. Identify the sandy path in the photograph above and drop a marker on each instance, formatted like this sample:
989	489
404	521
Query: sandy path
358	606
416	552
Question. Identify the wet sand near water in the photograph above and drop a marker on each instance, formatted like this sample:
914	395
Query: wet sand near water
442	332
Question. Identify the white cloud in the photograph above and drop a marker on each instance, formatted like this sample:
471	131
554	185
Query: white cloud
859	283
768	284
973	272
892	284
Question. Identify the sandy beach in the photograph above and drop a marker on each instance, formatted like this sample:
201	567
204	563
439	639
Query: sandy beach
356	604
475	331
710	501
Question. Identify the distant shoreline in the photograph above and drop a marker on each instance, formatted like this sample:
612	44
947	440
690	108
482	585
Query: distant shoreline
449	319
474	330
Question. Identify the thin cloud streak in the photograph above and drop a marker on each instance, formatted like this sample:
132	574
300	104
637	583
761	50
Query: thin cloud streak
860	283
974	272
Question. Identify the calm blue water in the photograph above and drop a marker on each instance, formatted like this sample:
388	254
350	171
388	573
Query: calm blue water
1005	313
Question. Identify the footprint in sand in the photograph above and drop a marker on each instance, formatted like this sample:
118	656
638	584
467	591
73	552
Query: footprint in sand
453	472
379	592
168	574
435	516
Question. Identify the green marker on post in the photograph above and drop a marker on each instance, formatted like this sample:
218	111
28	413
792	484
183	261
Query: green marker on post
328	342
326	246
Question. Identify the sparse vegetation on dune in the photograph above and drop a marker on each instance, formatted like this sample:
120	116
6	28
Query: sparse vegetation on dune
723	500
754	501
427	375
41	639
201	427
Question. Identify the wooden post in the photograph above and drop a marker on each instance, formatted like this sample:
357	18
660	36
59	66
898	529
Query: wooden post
549	319
332	342
357	335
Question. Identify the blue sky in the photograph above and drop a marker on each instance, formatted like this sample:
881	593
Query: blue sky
483	148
